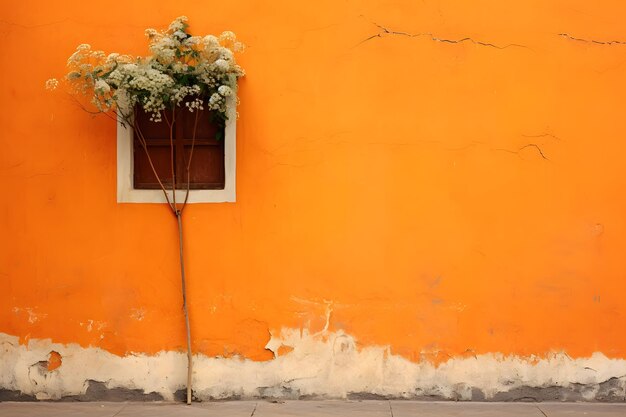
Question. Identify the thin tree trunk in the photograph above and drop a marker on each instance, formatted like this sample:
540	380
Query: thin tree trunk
182	275
178	213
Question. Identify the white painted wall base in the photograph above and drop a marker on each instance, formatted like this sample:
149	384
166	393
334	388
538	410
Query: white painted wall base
324	364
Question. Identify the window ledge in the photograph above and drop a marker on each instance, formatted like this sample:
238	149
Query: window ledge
127	194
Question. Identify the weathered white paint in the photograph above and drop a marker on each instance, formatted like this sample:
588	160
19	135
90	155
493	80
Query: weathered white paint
137	313
33	317
325	364
127	194
90	325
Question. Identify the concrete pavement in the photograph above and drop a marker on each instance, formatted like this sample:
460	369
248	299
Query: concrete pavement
310	409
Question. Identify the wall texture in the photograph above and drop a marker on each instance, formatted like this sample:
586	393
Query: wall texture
430	203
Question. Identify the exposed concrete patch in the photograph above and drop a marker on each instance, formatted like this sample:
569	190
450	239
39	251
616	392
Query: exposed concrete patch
611	390
366	396
321	365
98	391
15	395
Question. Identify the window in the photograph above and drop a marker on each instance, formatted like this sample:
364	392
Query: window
212	171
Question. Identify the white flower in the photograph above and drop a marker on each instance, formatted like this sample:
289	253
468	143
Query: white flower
195	104
101	87
222	64
238	47
124	102
178	24
225	90
227	36
52	84
192	40
226	54
165	55
210	41
179	94
197	71
215	101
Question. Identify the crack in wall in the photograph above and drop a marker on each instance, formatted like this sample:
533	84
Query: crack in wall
387	32
516	152
597	42
543	135
528	145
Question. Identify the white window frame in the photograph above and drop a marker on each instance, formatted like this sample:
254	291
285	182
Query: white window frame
126	193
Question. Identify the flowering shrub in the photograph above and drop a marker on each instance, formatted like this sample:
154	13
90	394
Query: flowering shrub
183	70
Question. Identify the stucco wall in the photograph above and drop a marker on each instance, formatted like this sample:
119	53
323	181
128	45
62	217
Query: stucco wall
439	182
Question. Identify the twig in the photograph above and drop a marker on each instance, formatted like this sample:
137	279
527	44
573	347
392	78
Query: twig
142	141
193	142
172	155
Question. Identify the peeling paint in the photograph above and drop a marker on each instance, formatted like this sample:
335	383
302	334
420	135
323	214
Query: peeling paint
33	317
137	314
319	365
90	325
54	361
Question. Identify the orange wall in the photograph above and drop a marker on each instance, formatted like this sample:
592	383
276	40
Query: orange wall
388	180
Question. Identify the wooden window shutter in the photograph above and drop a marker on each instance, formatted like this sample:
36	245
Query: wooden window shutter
207	164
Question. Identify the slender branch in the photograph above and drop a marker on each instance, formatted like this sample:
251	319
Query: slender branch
193	142
182	270
144	145
94	113
172	156
167	120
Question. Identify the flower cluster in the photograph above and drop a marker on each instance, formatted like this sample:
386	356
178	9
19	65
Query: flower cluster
192	72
